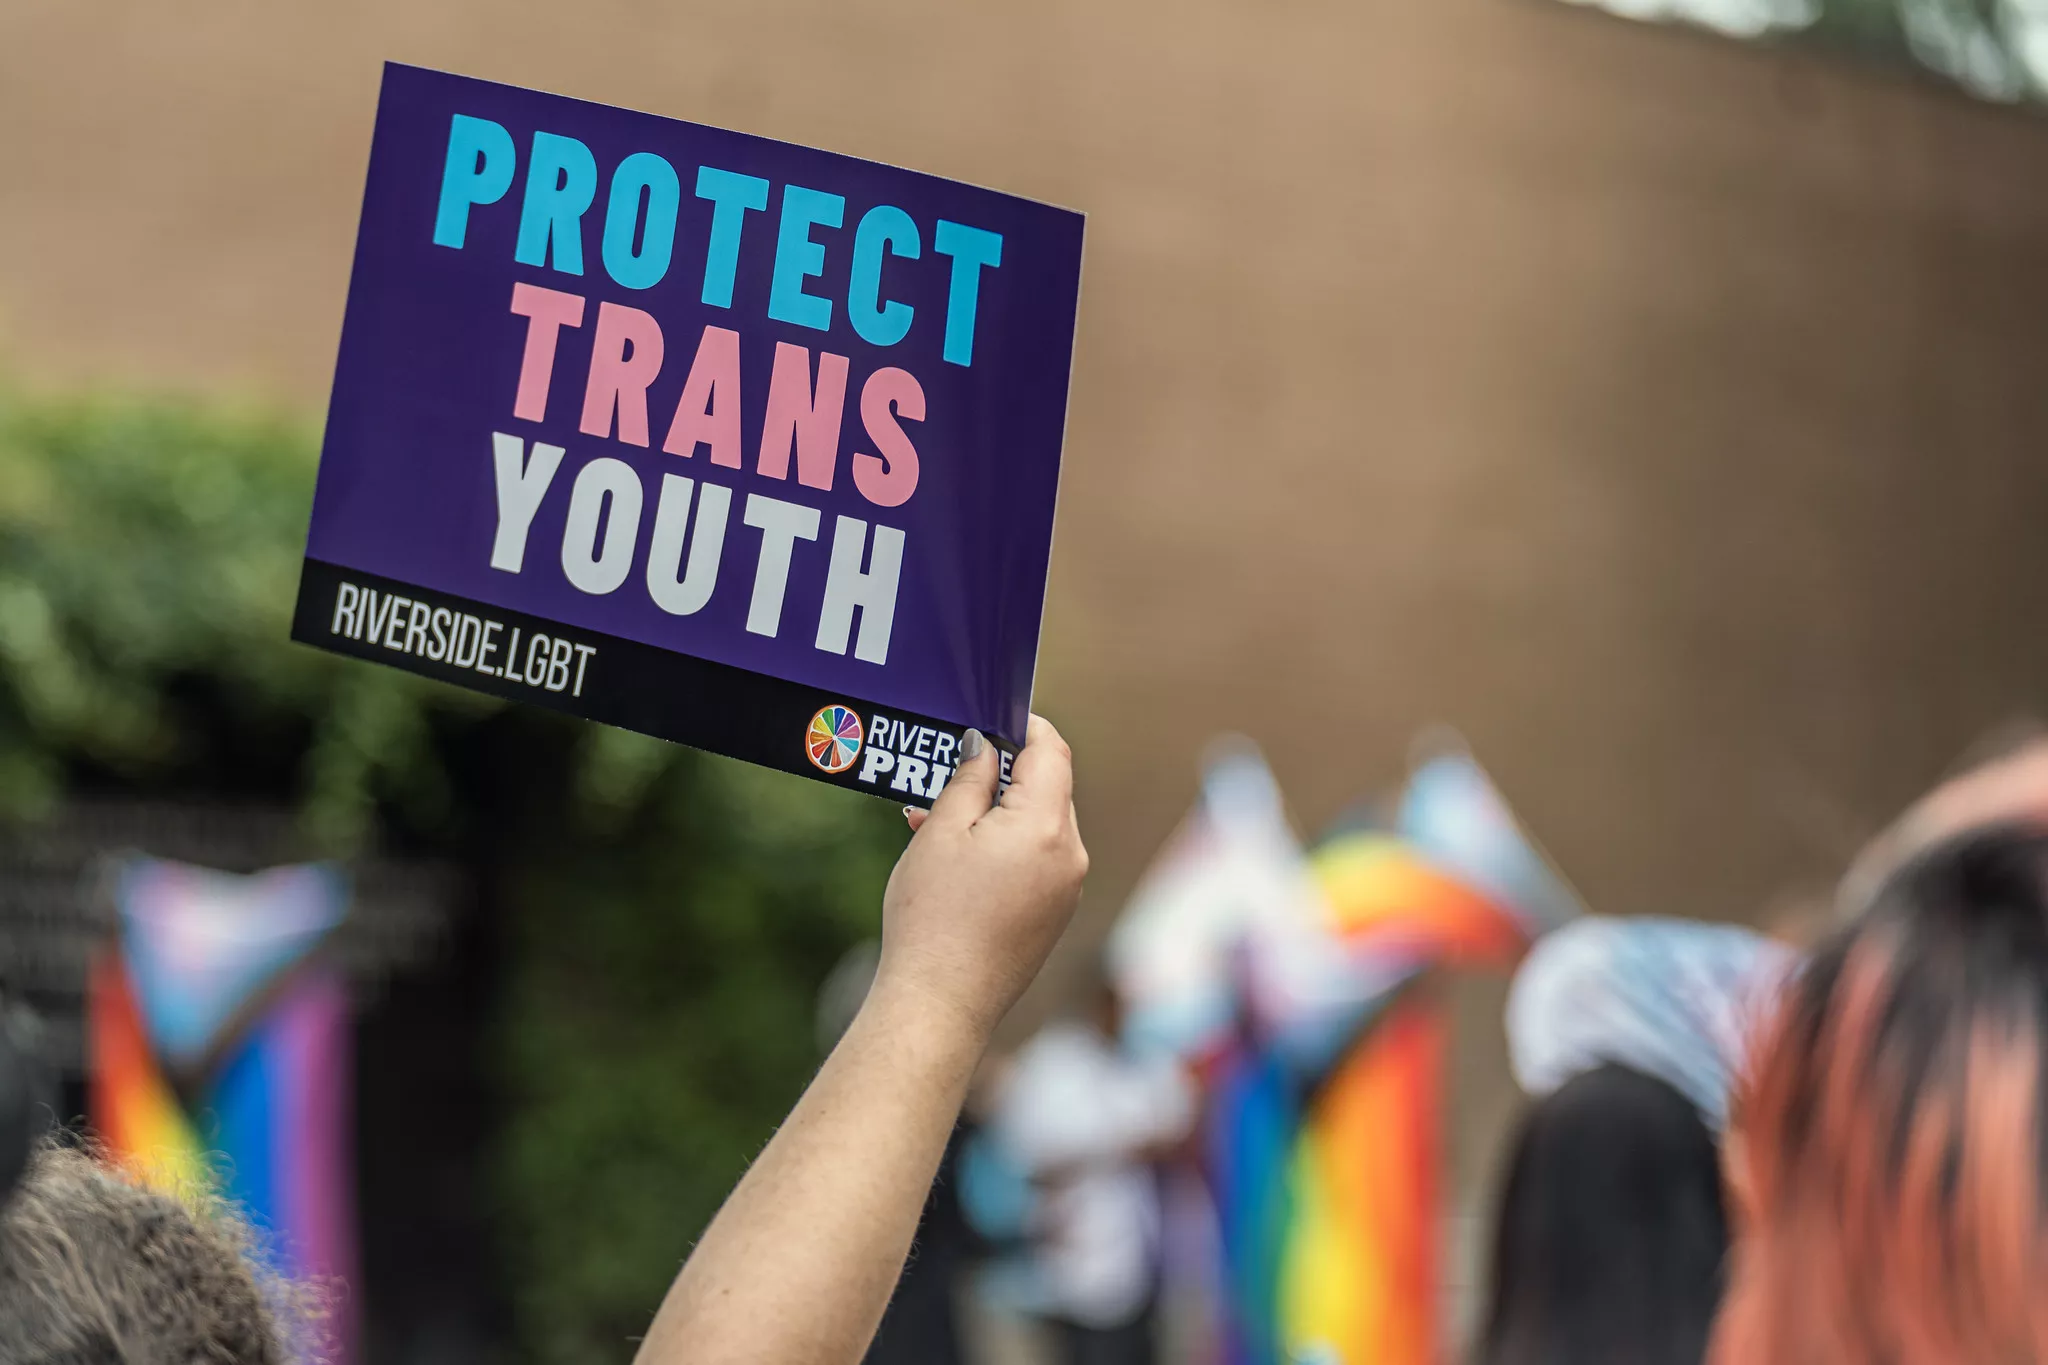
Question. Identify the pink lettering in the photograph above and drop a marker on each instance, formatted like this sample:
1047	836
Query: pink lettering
888	480
624	359
709	411
798	418
547	312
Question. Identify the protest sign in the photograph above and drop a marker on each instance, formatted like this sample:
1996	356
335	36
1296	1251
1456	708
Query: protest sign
743	444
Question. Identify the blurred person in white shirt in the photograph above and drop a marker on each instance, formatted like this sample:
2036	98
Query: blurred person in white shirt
1087	1120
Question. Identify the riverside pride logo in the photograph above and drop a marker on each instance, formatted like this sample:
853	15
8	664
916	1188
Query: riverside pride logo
903	756
728	429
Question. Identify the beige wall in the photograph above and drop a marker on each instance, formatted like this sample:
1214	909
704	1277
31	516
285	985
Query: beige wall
1667	415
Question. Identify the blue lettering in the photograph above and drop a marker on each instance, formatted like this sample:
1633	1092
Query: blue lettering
478	171
797	257
971	248
731	195
883	228
644	268
561	180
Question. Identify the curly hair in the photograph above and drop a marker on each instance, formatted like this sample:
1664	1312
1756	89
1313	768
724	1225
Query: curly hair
96	1269
1888	1149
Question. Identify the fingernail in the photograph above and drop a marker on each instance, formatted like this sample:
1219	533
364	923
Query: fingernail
971	745
909	812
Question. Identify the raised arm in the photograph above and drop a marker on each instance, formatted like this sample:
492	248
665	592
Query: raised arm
799	1264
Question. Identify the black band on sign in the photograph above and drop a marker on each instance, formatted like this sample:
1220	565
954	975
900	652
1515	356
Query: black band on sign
827	736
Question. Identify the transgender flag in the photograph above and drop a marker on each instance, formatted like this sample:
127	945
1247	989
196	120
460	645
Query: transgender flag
220	1055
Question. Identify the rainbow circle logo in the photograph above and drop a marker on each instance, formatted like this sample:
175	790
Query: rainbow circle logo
833	741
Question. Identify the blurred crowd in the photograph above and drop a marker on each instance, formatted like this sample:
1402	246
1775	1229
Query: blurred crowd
1682	1080
1826	1144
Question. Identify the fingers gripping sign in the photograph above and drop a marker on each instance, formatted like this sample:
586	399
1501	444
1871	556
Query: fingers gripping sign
986	887
1043	775
972	790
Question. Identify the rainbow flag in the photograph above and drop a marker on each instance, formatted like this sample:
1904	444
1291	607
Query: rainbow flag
220	1056
1288	978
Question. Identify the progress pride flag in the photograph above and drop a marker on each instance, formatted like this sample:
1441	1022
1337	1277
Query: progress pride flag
746	445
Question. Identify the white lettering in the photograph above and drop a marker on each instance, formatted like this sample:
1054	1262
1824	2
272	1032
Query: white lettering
688	595
394	620
469	634
489	646
348	600
443	618
558	665
594	569
372	619
522	483
782	525
878	761
416	628
874	592
583	653
909	774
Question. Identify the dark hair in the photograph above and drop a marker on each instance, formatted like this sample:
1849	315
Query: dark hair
1888	1158
1612	1232
95	1269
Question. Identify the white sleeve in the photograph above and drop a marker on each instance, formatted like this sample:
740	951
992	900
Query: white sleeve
1069	1103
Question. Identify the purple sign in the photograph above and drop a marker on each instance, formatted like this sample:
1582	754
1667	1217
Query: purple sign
747	445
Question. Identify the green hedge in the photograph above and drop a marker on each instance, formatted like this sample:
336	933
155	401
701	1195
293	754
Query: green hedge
670	915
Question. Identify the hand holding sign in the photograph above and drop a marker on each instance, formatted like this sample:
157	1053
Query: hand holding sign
985	889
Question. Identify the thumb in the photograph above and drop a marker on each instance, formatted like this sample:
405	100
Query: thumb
971	790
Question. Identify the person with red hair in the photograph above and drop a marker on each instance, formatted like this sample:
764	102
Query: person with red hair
1887	1145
